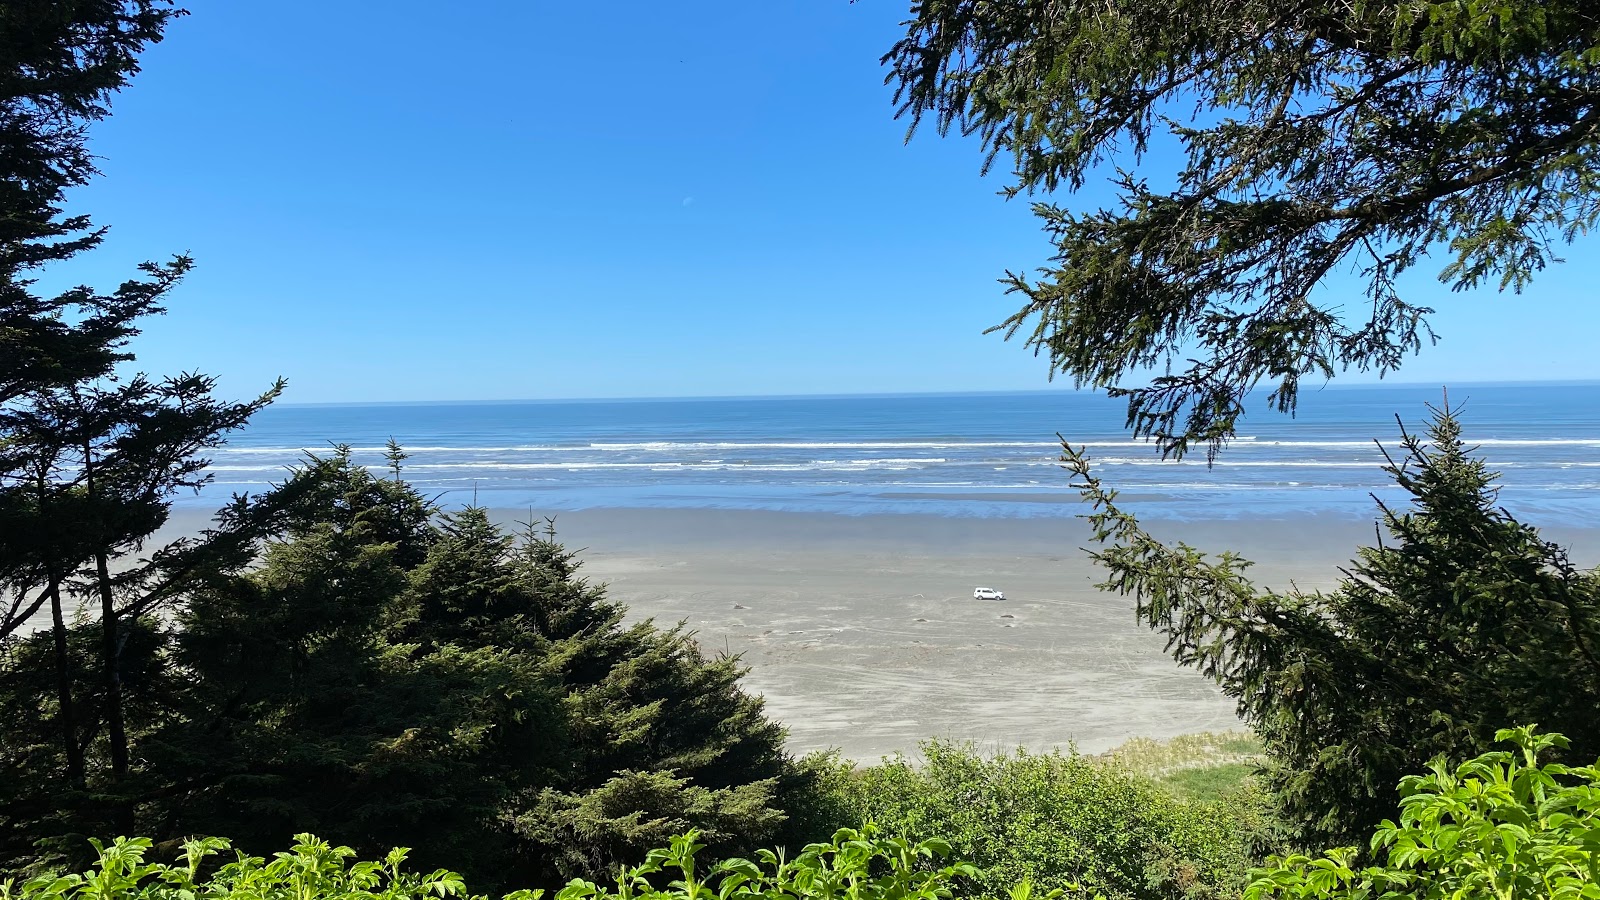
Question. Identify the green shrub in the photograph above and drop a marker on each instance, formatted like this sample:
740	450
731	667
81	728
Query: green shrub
1500	826
1061	821
312	870
856	864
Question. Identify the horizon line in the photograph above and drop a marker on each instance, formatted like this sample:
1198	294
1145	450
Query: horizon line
870	395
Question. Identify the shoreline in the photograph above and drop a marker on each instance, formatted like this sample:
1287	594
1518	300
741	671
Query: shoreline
862	635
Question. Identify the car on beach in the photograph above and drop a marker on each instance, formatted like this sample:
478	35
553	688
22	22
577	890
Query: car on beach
984	593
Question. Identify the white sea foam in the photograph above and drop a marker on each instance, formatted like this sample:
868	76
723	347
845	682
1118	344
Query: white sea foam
1237	463
825	465
895	463
1485	442
677	446
271	468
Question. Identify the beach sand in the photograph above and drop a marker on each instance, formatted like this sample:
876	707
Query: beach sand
862	633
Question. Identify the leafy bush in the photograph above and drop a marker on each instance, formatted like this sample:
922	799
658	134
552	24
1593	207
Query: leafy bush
859	865
1061	821
312	869
1499	826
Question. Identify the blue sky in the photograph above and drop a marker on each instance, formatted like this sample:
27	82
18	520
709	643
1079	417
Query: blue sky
497	200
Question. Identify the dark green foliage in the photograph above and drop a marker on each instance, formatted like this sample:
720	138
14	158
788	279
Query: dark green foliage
1313	137
60	62
396	675
1501	826
305	713
595	831
1464	620
90	457
92	469
1059	821
46	814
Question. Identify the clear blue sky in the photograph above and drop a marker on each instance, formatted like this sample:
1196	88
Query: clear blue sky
497	200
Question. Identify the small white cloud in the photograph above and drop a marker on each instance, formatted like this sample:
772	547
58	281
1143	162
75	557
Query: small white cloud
688	201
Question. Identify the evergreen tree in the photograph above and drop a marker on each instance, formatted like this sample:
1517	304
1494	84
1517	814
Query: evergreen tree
105	460
1464	621
60	63
309	712
90	457
1310	137
663	738
393	674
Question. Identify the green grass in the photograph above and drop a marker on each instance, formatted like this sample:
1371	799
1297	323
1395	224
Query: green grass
1213	782
1159	759
1206	766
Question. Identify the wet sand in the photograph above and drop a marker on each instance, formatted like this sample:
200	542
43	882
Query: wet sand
863	635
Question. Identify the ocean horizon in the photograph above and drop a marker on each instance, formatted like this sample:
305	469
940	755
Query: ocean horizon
1331	386
981	454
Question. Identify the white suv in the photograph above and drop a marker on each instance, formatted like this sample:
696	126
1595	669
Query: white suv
984	593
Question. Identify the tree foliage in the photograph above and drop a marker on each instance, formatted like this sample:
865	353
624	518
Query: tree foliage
376	668
1463	621
1314	137
91	454
60	63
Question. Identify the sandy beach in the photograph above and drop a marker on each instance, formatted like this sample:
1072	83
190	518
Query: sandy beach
862	633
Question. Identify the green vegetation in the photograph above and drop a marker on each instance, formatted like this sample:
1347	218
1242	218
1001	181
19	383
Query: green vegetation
1500	826
338	655
858	864
1465	621
394	674
1059	820
1211	782
1208	766
1313	138
1189	751
91	452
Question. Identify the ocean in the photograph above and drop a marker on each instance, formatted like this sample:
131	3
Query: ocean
977	455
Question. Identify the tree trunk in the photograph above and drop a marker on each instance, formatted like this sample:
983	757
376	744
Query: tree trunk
110	640
111	648
68	712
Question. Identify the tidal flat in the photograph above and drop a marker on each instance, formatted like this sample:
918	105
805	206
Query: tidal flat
863	635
